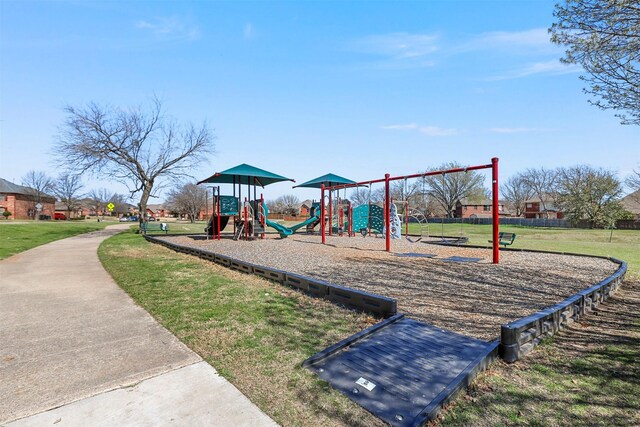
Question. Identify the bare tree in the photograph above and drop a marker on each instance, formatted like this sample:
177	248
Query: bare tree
588	193
99	200
516	192
359	196
38	185
67	189
543	184
290	204
120	203
141	149
274	206
448	189
603	36
633	182
188	199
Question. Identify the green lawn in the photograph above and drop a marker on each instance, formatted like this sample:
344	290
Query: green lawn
17	237
625	244
256	333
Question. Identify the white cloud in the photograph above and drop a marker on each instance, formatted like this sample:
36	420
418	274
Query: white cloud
400	127
512	130
536	38
399	49
427	130
552	67
170	28
247	31
438	131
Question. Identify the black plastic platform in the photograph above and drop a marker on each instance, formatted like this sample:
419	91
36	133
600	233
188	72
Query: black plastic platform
415	255
461	259
402	370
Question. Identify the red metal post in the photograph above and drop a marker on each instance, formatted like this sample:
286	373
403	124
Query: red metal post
351	220
219	210
387	216
322	213
330	213
496	207
406	218
246	220
262	218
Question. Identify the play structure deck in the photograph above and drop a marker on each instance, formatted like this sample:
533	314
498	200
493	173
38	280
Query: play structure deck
402	370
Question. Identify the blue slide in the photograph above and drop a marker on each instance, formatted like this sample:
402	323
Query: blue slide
286	231
281	229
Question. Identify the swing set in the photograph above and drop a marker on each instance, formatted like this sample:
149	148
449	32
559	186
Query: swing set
387	202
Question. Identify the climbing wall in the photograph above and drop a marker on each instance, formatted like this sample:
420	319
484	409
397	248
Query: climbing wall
363	214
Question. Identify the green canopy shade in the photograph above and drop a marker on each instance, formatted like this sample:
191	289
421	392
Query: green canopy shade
245	174
328	180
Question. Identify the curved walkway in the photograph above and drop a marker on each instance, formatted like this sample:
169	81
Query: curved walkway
71	339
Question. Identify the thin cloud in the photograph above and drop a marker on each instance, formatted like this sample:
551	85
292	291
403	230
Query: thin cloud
438	131
552	67
248	32
170	28
426	130
512	130
534	39
409	126
399	49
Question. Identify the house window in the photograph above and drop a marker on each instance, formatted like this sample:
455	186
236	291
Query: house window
529	205
487	208
466	207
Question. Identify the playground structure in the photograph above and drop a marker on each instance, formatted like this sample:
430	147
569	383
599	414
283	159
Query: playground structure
250	217
388	201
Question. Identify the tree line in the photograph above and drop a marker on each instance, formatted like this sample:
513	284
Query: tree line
70	192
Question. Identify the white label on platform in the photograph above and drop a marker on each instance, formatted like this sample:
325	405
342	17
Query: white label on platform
366	384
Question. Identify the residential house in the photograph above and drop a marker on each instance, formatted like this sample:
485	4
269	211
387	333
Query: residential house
21	202
479	208
542	208
157	210
304	209
82	208
631	202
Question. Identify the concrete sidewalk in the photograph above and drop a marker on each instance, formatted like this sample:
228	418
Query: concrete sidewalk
68	334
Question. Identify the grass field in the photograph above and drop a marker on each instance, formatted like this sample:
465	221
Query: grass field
254	332
258	333
624	244
16	237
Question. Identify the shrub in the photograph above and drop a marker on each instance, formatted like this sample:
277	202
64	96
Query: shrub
6	214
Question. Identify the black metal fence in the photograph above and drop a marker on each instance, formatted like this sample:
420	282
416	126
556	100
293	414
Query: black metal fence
623	224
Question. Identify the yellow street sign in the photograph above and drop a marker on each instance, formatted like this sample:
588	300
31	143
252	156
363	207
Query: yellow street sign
111	206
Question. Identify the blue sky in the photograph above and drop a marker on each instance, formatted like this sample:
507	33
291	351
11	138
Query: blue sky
306	88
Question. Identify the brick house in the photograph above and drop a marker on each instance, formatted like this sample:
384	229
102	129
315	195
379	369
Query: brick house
159	211
631	202
83	208
535	208
304	209
21	203
482	208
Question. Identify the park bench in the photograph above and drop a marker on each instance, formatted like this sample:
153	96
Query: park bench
505	239
156	226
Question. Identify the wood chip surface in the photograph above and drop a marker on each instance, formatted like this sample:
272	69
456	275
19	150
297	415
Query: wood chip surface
470	298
